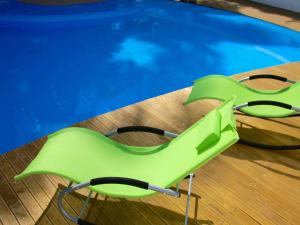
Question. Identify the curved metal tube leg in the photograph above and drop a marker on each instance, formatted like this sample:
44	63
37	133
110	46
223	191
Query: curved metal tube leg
61	208
61	195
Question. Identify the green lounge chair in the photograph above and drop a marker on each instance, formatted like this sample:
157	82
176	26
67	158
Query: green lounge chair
92	160
254	102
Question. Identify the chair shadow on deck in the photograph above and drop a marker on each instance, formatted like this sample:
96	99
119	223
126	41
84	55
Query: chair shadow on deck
287	158
106	210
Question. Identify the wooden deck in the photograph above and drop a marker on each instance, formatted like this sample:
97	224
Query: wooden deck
239	187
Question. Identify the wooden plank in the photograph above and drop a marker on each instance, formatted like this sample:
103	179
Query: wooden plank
145	211
35	199
13	158
6	215
271	193
254	203
13	201
43	221
39	188
240	217
165	210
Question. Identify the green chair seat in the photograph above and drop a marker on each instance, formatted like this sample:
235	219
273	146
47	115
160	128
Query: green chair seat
80	154
223	88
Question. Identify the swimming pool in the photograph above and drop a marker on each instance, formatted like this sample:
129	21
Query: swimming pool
62	65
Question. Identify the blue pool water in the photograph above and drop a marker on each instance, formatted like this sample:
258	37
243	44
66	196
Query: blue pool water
63	64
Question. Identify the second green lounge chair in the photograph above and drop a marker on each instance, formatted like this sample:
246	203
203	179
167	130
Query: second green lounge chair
283	102
256	102
92	160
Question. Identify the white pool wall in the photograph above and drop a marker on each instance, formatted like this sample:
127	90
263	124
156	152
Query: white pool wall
292	5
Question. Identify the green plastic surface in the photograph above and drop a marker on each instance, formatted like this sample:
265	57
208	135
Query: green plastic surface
223	88
80	154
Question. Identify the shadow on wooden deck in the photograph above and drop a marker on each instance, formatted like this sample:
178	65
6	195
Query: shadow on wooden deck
104	210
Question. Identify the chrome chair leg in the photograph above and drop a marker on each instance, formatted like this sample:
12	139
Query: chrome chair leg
188	199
